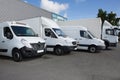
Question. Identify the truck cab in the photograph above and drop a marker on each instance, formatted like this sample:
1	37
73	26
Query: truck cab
117	31
109	35
18	40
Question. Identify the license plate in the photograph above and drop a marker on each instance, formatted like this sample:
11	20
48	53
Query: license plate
40	51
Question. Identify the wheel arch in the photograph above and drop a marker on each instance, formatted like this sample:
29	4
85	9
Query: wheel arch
58	45
15	48
91	45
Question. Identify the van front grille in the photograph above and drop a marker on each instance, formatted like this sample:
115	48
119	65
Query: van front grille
38	46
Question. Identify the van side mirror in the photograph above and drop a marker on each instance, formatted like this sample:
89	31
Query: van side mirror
9	35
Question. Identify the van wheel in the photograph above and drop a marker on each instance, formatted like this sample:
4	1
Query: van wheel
106	45
59	51
16	55
92	49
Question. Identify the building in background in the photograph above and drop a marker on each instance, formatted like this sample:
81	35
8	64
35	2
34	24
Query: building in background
12	10
57	17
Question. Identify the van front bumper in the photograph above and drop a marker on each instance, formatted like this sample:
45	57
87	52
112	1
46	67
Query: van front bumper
112	44
29	52
100	47
69	48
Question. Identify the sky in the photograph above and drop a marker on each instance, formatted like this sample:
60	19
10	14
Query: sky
77	9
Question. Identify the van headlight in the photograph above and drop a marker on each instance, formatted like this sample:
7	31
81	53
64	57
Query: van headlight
25	43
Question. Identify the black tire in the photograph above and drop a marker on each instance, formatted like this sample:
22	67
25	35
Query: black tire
16	55
92	49
59	51
106	45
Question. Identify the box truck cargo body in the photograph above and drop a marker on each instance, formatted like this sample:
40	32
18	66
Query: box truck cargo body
18	40
55	38
86	40
94	25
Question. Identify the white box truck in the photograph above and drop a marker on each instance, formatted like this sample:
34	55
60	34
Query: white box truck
18	40
86	40
94	25
56	40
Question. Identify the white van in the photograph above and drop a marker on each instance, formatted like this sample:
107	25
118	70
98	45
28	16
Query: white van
56	40
86	40
18	40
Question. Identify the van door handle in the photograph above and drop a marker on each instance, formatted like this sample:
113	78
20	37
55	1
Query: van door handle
3	41
80	39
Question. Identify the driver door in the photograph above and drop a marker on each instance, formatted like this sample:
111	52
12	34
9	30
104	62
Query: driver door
84	40
50	39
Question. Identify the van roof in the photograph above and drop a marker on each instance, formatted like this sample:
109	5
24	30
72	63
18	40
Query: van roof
14	23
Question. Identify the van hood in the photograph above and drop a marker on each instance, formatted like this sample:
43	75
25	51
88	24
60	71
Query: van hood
33	39
68	39
99	41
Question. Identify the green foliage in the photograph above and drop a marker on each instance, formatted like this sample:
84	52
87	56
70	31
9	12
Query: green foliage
110	17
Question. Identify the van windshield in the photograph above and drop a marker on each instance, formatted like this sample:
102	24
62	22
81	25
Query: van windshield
23	31
91	34
110	31
59	32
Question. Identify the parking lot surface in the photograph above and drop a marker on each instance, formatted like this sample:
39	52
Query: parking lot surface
79	65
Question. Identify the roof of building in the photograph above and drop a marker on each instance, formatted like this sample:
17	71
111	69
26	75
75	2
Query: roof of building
12	10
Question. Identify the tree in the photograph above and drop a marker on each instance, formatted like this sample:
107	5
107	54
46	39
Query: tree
102	14
110	17
117	23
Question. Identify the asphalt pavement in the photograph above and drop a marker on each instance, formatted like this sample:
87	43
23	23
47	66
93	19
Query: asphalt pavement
79	65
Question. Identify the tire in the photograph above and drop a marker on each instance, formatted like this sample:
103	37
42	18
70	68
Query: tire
16	55
92	49
59	51
106	45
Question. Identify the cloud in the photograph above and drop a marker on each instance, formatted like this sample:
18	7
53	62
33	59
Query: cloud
25	1
53	6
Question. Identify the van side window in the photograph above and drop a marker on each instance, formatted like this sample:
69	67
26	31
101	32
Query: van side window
110	31
7	31
49	33
84	34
